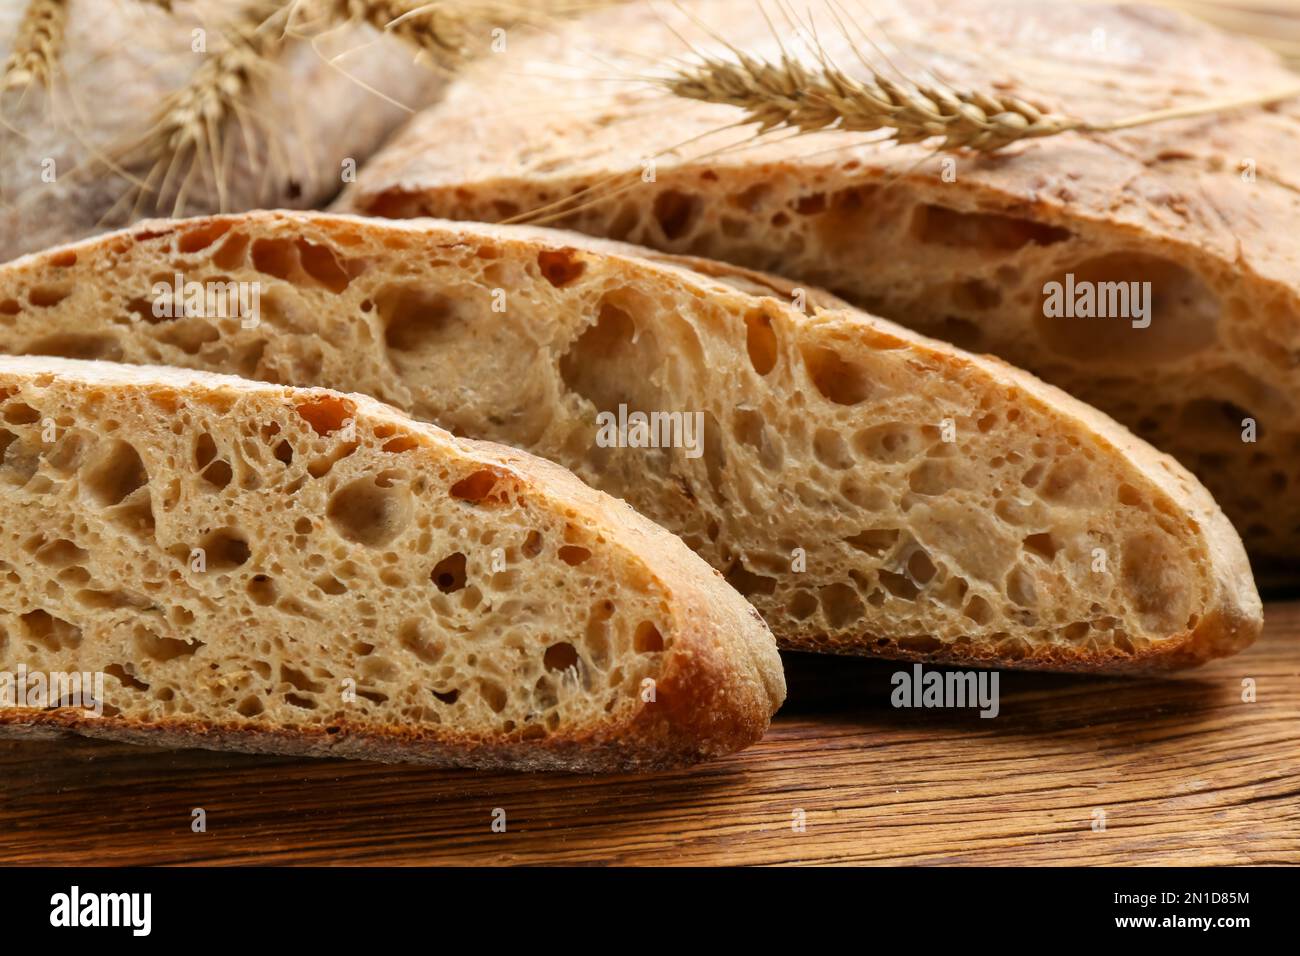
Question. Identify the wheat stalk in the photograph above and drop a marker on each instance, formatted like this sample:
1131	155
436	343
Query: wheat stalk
35	54
787	94
445	29
187	134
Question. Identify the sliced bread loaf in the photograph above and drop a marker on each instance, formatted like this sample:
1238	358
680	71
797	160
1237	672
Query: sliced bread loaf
269	569
965	247
870	490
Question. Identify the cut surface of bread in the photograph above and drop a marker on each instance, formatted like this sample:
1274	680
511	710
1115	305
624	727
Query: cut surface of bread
959	246
870	490
262	568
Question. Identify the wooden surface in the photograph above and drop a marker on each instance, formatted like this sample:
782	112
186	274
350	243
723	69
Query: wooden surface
1184	770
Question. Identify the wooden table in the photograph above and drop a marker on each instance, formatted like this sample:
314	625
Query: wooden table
1184	771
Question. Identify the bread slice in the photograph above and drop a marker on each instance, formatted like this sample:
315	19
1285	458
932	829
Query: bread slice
270	569
962	246
870	490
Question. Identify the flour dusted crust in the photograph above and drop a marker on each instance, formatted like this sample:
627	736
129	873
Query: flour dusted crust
1205	208
485	607
306	118
870	490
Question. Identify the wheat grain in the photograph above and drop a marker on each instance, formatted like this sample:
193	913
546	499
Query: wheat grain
188	133
787	94
35	54
447	29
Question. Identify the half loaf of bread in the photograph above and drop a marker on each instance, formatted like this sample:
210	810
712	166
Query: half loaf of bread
870	490
965	247
262	568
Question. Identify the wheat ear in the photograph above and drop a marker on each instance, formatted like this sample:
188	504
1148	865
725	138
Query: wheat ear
35	54
187	135
787	94
446	29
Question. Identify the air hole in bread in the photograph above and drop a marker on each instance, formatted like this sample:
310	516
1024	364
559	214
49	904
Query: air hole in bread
647	639
261	589
224	549
113	473
163	649
413	317
920	568
412	637
200	237
219	474
560	657
449	573
974	295
232	253
400	444
322	265
874	541
326	414
275	257
493	693
1154	574
16	413
188	334
978	610
330	584
481	487
46	297
559	267
939	225
747	582
1042	544
573	555
593	366
60	553
53	633
676	213
842	604
1020	587
368	514
760	341
840	381
832	450
1184	312
77	345
751	429
125	677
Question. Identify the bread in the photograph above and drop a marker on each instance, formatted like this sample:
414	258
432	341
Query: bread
117	62
962	246
823	484
237	556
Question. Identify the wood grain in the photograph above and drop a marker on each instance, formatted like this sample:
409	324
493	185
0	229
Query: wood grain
1185	771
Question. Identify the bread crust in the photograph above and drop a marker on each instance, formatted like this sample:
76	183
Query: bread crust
1229	613
719	681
